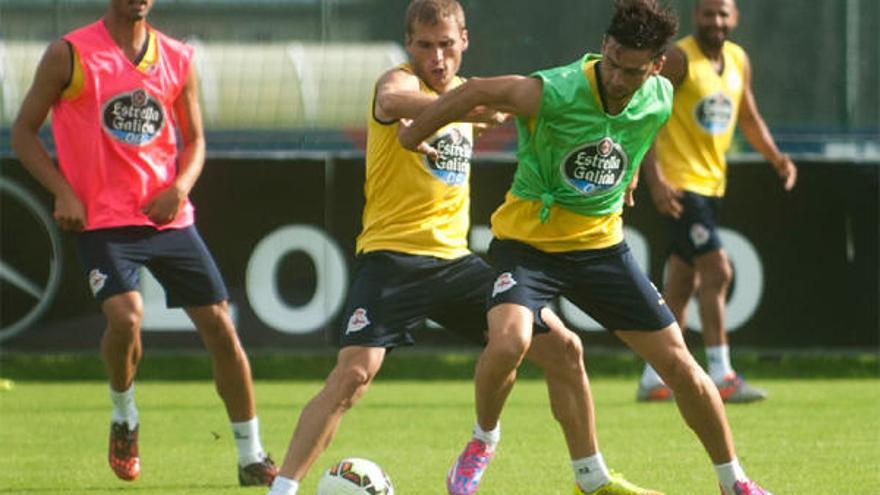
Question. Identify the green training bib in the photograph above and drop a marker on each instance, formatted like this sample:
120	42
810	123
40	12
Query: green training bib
578	156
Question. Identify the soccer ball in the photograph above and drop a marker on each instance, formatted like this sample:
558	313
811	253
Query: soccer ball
355	476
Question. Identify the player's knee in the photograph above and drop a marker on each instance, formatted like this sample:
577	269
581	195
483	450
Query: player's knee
216	328
566	354
718	276
126	322
723	275
572	356
686	286
684	376
124	314
351	384
509	338
214	319
508	351
572	348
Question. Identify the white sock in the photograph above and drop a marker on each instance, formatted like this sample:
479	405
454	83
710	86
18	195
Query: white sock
124	409
283	486
650	378
728	474
491	438
247	439
719	362
590	472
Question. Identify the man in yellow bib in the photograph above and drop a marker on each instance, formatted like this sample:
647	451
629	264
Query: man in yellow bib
712	80
413	263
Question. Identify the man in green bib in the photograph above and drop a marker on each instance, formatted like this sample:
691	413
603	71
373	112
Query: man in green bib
583	130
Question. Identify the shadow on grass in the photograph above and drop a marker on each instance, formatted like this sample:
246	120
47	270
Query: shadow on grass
421	365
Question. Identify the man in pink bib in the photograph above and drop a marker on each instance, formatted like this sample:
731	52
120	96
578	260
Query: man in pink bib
120	92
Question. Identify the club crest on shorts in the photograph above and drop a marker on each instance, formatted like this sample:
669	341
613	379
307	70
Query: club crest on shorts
357	321
699	234
596	167
96	281
503	283
134	118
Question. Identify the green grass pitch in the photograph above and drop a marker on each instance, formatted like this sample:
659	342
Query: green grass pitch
812	436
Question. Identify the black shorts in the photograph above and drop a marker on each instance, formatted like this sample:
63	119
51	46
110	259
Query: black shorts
696	231
605	283
393	293
178	258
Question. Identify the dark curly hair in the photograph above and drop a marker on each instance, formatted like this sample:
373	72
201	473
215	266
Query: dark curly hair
642	25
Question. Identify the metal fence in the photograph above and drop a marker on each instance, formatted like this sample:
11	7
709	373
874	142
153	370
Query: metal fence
306	67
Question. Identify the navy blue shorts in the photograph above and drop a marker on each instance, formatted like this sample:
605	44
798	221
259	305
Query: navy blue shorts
178	258
605	283
393	293
696	231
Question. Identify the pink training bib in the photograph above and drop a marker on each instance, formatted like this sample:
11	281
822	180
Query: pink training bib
116	139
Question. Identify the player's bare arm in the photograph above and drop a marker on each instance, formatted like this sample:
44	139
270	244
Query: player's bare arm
398	96
756	133
164	207
517	95
51	78
629	195
666	199
676	66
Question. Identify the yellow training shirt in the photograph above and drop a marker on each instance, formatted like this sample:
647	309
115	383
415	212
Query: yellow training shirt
77	76
691	148
413	204
519	219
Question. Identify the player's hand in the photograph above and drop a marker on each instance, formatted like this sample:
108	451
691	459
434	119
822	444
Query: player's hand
163	208
667	199
69	214
628	197
787	171
493	120
422	147
487	116
498	118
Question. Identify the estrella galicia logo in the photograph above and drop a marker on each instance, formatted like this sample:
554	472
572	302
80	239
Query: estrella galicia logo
454	164
134	118
714	113
595	167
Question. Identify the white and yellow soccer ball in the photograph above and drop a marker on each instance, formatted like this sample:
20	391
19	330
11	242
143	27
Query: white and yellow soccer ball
355	476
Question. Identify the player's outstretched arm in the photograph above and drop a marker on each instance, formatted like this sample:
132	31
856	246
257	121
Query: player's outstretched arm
398	96
758	135
52	76
164	207
510	94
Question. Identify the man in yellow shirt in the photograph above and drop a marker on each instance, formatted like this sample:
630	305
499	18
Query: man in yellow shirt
413	262
712	80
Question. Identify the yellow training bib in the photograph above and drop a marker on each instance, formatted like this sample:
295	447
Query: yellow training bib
691	148
413	204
